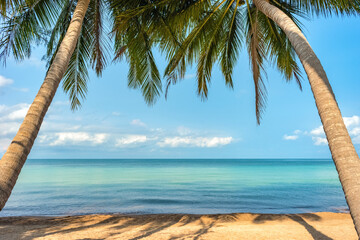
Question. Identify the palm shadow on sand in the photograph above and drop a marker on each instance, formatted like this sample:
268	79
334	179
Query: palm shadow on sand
299	218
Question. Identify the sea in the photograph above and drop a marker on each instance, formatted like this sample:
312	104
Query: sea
58	187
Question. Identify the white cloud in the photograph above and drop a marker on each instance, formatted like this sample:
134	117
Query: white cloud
355	134
130	139
16	112
318	135
351	121
68	138
319	141
10	120
99	138
137	122
59	130
355	131
317	131
8	128
290	137
5	81
19	114
208	142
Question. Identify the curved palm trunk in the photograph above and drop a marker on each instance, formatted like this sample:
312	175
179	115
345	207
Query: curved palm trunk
346	160
16	155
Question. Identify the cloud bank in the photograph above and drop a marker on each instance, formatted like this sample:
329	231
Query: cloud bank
5	81
318	137
64	132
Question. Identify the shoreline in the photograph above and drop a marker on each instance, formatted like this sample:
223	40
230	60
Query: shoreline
319	225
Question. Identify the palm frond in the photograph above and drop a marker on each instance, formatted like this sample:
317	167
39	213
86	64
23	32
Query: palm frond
135	43
76	76
256	51
232	44
59	30
211	48
279	49
100	47
24	26
147	71
191	46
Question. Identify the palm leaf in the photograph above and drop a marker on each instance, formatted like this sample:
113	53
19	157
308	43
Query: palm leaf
100	46
190	47
76	76
211	48
256	51
232	44
24	26
59	30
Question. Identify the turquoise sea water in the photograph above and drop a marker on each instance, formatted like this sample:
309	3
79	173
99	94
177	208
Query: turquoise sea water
199	186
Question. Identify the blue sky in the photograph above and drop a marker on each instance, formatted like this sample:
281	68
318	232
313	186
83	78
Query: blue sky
115	122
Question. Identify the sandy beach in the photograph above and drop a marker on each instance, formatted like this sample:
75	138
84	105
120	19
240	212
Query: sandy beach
317	226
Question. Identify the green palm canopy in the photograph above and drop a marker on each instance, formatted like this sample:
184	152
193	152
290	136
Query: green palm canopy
212	32
46	22
187	32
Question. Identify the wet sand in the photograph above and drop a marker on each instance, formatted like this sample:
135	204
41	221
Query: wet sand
319	226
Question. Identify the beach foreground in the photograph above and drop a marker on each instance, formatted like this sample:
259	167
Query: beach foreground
317	226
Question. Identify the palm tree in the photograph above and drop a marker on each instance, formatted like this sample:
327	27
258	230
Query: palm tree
16	155
214	31
346	160
73	44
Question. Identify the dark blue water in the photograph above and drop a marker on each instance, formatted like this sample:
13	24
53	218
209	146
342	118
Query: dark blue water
84	186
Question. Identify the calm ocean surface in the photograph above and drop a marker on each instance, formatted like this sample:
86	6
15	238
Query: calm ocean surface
84	186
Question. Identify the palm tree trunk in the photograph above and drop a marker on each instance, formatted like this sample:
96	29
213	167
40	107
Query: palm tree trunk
16	155
346	160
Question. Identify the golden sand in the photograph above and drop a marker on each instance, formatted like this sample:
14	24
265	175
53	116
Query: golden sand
319	226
